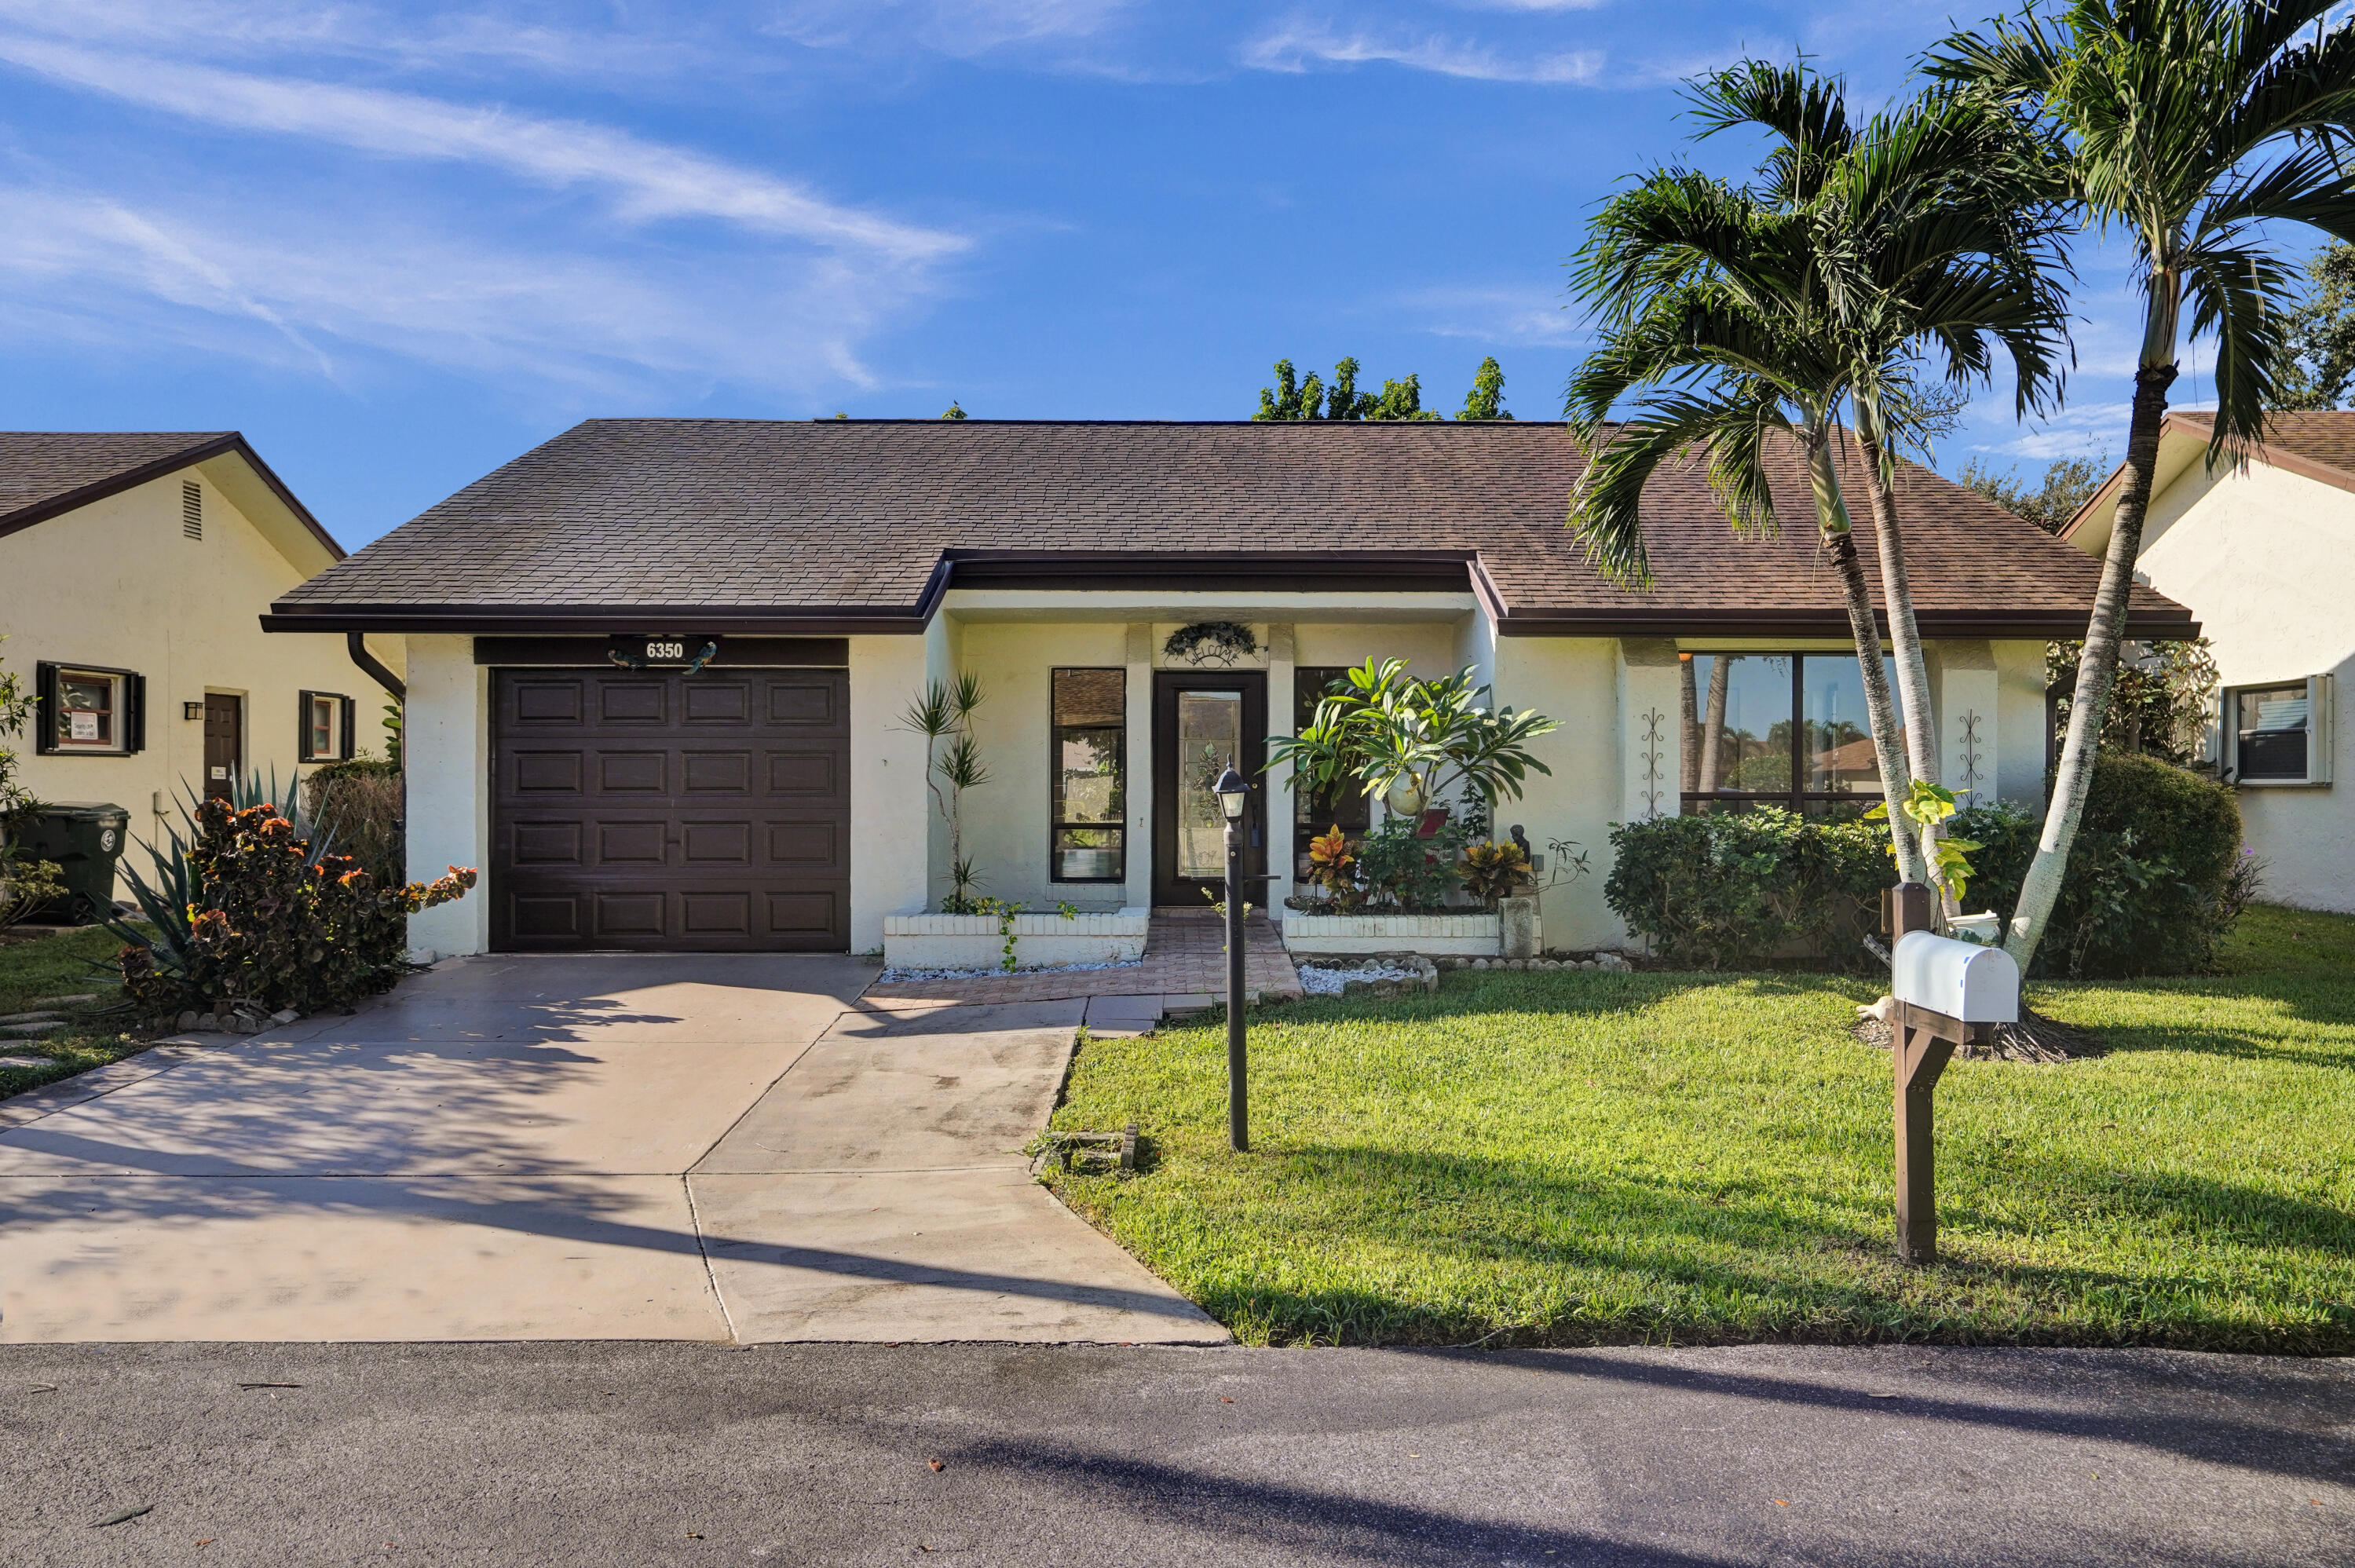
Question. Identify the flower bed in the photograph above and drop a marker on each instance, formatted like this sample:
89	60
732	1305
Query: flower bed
1466	936
974	942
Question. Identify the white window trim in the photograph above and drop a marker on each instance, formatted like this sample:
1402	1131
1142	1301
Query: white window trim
2319	737
120	684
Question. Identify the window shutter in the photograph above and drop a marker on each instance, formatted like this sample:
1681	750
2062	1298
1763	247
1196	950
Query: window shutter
302	752
349	708
134	716
45	707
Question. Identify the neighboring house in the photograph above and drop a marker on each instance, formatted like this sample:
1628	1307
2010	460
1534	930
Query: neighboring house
817	576
134	568
2264	554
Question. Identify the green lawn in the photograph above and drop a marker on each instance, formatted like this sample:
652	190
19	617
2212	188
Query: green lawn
61	965
1581	1158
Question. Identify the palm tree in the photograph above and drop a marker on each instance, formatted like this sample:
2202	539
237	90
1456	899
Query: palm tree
1748	318
2191	124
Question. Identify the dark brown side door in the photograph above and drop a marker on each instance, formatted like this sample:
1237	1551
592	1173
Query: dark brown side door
224	744
661	811
1201	717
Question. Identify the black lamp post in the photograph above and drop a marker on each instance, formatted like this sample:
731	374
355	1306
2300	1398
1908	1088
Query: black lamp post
1233	794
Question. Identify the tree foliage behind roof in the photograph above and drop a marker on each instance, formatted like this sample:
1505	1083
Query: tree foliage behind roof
1295	396
2049	502
2321	335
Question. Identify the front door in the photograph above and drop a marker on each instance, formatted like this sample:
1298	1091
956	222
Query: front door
1202	720
224	744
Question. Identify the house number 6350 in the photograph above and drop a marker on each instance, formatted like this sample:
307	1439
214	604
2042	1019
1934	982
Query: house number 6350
665	650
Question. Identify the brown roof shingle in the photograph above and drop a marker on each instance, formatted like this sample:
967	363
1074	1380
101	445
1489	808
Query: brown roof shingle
841	521
45	473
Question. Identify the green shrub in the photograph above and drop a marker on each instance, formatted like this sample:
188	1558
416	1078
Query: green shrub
362	804
2156	878
1404	873
249	913
1738	889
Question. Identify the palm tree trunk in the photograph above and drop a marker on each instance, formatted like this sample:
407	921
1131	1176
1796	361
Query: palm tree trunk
1887	741
1712	733
1904	635
1689	763
2097	665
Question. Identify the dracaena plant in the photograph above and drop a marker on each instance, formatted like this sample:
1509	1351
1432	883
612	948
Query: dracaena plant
942	715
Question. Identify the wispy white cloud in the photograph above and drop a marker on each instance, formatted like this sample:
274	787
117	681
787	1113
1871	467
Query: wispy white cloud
647	180
1300	44
963	28
320	295
1502	315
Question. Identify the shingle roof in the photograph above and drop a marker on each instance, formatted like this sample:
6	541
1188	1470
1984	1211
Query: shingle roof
2327	438
44	474
833	521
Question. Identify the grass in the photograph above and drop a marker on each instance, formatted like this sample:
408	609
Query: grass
62	965
1588	1158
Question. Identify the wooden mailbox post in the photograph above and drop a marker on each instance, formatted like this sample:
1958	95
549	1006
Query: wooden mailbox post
1947	993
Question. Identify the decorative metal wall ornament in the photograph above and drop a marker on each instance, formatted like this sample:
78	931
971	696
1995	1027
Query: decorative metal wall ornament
1210	644
1654	764
1973	755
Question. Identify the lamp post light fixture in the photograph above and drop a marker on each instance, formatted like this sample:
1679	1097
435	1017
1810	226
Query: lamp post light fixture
1234	794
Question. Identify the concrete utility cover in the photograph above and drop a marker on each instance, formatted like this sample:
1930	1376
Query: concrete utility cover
503	1149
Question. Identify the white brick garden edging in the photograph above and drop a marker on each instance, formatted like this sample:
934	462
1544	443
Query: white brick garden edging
1468	936
972	941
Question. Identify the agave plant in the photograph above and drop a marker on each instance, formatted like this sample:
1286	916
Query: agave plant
169	905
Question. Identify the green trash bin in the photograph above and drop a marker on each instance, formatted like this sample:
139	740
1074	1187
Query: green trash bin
85	837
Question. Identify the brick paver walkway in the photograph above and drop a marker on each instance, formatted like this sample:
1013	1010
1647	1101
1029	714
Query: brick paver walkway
1185	957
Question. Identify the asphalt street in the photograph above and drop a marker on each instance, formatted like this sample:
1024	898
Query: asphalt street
592	1455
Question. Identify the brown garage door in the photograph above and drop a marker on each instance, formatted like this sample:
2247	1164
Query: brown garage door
672	812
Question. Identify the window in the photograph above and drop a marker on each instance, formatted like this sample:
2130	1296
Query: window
326	734
2279	734
1345	804
88	710
1787	729
1089	769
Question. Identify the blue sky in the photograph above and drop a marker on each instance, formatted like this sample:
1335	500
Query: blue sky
397	245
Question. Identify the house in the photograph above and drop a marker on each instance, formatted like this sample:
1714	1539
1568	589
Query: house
659	667
2265	554
134	568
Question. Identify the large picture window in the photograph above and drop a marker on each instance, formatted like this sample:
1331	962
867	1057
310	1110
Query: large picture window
1089	773
89	710
1787	729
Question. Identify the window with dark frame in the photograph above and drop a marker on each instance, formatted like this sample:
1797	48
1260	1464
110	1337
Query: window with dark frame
1345	805
1776	729
1088	772
2269	725
326	727
87	710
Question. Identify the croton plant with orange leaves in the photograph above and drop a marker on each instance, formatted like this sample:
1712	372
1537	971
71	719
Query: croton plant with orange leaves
1330	867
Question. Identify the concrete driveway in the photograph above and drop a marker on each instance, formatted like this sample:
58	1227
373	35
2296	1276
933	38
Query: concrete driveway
646	1147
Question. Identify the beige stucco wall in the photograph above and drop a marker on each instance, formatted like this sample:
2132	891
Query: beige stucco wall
2266	558
895	836
116	585
1576	682
448	757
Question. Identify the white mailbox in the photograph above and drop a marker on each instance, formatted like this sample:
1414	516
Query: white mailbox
1961	979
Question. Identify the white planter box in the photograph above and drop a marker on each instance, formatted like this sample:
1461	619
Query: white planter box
972	941
1468	936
